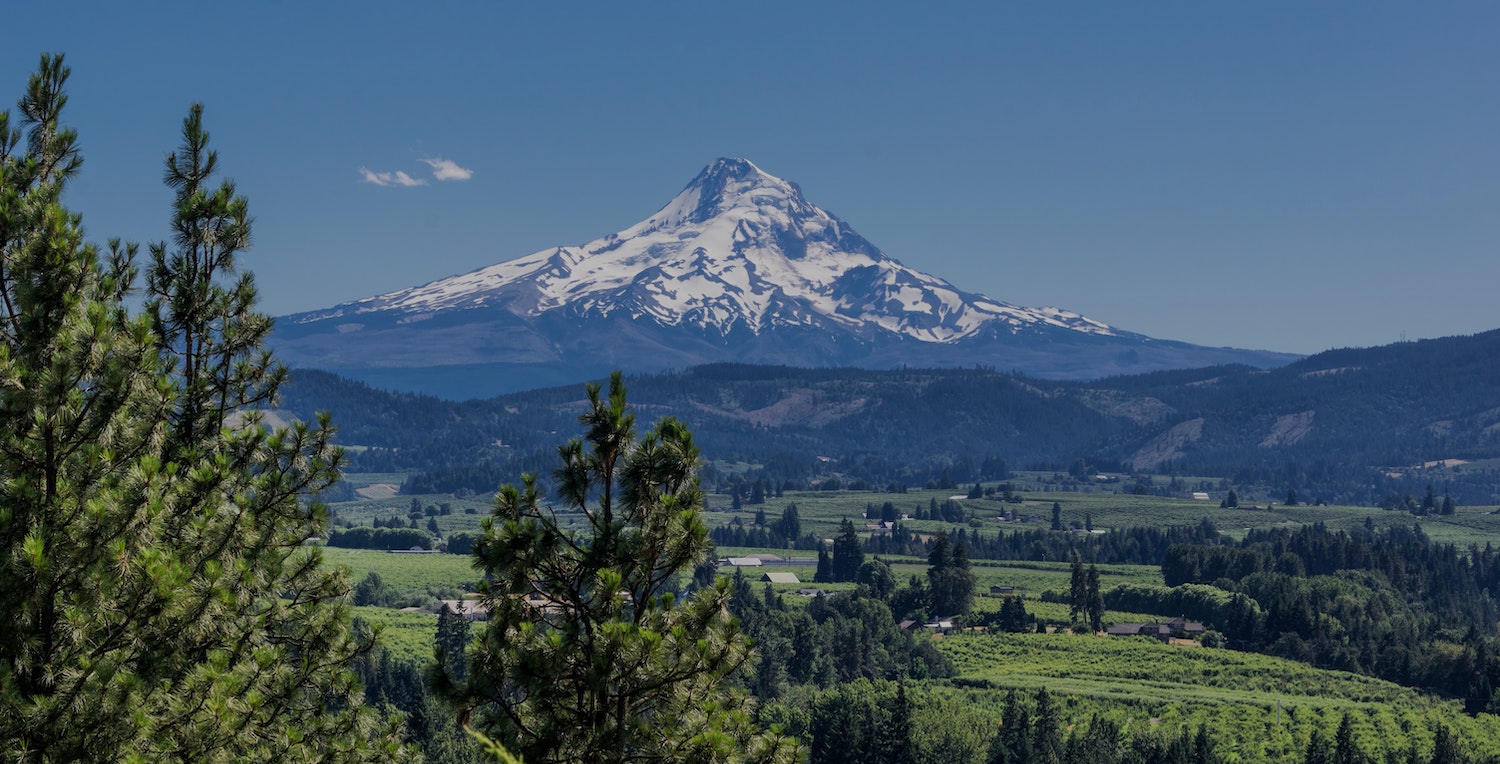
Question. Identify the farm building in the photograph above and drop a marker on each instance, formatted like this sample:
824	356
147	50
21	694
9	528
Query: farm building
1175	627
780	578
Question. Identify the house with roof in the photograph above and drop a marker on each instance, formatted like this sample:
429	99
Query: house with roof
778	577
1185	628
1154	630
1175	627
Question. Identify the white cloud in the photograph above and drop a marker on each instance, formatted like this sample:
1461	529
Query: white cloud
446	169
397	178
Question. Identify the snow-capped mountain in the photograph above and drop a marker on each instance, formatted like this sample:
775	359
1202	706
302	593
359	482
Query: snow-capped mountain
738	266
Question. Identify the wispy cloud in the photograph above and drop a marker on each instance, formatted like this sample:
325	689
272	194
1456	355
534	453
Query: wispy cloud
397	178
446	169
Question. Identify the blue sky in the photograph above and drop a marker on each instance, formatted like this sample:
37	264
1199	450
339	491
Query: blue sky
1289	176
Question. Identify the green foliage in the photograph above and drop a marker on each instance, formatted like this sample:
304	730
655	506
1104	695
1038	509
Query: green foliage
406	635
1391	603
877	576
453	638
589	654
887	723
380	538
1372	406
848	553
1252	708
425	573
950	583
1196	602
160	601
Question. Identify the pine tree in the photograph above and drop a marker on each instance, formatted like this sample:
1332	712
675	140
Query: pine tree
1345	749
894	740
848	555
1012	742
1203	747
588	654
1445	748
160	602
1099	744
1046	730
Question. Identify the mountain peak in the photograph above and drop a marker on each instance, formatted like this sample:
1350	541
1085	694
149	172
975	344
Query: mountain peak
738	266
723	185
738	250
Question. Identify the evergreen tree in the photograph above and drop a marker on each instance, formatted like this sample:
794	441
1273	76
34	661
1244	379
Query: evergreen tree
790	525
1078	592
824	572
1056	516
1318	751
160	602
1012	616
950	582
1012	743
894	740
1203	747
848	553
1345	749
1095	600
1099	744
1445	748
609	666
1046	730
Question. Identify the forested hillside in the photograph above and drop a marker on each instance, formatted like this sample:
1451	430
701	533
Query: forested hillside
1346	425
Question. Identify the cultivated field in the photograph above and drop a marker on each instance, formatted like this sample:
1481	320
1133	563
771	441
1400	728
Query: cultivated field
1256	708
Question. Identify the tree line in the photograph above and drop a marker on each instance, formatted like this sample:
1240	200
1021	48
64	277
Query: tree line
1388	603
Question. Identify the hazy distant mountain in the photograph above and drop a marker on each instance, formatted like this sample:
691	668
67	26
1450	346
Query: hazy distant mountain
1349	424
738	267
